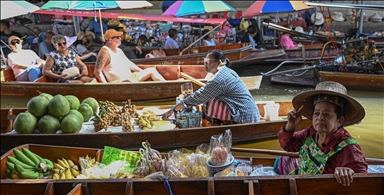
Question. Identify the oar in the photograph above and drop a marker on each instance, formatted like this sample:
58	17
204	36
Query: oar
197	82
265	151
181	53
377	161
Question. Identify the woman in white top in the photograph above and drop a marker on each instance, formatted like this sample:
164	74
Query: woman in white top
208	39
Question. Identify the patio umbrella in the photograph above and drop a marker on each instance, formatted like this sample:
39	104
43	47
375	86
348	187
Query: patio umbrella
11	9
275	6
185	8
93	5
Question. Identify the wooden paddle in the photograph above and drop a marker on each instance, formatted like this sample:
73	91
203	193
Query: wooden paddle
373	161
197	82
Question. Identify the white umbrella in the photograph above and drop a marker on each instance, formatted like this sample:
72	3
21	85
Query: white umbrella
11	9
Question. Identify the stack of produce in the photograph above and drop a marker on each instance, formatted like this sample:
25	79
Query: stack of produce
49	114
65	169
27	165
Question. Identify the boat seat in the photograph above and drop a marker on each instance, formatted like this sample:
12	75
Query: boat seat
171	52
7	75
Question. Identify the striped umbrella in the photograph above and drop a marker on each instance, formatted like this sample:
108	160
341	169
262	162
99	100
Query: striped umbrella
11	9
90	5
274	6
185	8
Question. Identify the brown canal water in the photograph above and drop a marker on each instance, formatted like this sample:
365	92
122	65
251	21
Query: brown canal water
369	133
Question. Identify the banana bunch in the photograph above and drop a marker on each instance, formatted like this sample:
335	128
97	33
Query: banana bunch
27	165
65	169
87	162
144	122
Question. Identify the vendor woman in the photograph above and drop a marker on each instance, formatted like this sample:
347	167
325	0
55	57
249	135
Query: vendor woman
228	99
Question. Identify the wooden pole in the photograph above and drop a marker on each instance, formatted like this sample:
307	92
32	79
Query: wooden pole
181	53
265	151
197	82
101	27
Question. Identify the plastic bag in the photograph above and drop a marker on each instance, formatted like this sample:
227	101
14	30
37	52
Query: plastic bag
151	161
220	148
243	24
114	154
184	163
231	172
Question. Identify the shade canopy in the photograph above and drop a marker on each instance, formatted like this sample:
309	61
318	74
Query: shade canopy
275	6
185	8
11	9
89	5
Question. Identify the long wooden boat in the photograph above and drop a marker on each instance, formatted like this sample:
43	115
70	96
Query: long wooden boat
367	184
356	81
161	139
148	90
238	53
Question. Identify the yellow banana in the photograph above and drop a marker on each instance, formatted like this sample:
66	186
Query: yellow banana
66	163
56	170
62	175
74	172
57	166
14	175
62	163
56	176
70	162
68	174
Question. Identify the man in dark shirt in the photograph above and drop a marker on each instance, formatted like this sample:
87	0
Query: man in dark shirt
5	33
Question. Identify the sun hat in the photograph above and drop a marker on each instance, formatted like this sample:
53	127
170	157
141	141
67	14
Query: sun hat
338	16
11	38
329	91
80	35
318	18
112	33
375	18
299	29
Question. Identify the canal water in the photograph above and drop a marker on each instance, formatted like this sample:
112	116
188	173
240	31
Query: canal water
369	133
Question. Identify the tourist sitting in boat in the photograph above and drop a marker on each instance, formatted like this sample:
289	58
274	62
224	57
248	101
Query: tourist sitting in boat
208	39
286	42
113	66
46	46
25	63
5	33
62	59
85	57
228	99
171	42
325	147
250	36
84	48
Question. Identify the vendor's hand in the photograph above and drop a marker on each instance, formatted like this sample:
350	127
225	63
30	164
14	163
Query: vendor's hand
84	72
294	118
166	115
343	175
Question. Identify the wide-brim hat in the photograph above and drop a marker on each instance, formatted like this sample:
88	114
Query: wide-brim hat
338	16
13	37
375	18
319	19
80	35
299	29
353	111
70	40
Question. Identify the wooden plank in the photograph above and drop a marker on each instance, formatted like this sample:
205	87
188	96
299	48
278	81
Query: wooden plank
49	190
76	190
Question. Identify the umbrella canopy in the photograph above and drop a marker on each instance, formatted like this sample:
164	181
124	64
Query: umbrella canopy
11	9
184	8
89	5
274	6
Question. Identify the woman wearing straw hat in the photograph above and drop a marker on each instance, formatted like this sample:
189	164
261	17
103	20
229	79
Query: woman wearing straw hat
318	19
325	147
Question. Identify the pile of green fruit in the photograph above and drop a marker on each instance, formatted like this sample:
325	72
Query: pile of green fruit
27	165
49	114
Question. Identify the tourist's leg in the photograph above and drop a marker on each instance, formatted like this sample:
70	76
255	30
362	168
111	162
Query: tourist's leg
23	77
149	73
34	73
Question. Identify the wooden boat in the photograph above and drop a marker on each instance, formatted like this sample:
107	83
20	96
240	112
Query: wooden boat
238	53
367	184
148	90
356	81
160	139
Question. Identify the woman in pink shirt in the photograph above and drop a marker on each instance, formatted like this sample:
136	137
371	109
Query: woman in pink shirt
286	42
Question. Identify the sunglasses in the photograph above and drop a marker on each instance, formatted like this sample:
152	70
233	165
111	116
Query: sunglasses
62	44
116	37
15	42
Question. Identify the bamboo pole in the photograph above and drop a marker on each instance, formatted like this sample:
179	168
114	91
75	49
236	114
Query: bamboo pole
265	151
181	53
197	82
101	27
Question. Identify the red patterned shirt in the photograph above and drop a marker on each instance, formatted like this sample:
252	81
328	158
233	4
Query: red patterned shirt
351	156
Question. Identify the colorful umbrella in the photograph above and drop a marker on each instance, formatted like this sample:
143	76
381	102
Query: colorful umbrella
89	5
274	6
11	9
184	8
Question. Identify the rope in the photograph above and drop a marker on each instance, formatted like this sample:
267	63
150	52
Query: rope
167	186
